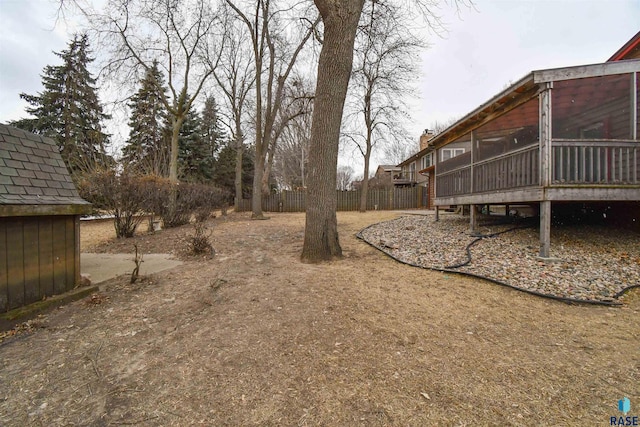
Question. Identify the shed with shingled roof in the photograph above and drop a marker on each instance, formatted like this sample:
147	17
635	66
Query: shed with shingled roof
40	212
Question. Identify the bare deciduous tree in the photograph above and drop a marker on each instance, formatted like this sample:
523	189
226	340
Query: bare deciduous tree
396	151
294	121
291	153
344	177
235	76
437	126
340	21
385	65
178	35
276	46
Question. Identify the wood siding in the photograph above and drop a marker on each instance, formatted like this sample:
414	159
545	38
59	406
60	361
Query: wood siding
38	258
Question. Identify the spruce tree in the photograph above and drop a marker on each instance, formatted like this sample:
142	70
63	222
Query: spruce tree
68	109
212	132
224	169
194	158
147	149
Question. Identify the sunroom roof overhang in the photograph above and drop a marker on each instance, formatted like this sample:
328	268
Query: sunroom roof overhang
516	94
522	91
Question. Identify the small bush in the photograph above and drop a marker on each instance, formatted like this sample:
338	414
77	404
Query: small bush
199	243
120	195
129	197
191	199
202	214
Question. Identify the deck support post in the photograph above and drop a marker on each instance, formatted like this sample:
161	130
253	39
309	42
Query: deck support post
473	219
545	229
437	213
506	210
634	106
545	169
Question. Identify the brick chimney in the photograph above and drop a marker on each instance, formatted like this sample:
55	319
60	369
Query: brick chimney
426	136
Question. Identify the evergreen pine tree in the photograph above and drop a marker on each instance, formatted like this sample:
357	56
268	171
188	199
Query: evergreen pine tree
194	158
68	109
147	149
225	169
212	132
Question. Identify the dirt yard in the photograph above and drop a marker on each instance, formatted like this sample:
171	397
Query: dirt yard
254	337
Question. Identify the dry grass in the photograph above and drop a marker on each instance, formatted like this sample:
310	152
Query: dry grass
254	337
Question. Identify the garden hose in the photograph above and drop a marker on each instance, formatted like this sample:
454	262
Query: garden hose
449	269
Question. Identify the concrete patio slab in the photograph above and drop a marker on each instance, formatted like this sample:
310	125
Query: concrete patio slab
101	267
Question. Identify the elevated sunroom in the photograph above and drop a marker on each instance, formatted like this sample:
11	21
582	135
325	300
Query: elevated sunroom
568	134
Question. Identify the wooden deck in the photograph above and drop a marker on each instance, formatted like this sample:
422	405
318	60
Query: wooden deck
570	134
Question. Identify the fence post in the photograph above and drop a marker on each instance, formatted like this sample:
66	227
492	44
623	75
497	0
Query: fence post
391	197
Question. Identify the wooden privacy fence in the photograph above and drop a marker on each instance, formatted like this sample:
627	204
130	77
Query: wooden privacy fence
377	199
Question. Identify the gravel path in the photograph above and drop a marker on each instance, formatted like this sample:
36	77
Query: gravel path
595	262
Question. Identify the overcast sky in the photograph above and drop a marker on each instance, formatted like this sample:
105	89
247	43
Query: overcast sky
486	48
504	40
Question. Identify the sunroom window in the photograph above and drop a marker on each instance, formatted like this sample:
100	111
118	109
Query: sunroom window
594	108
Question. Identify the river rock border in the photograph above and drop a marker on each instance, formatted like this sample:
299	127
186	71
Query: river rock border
594	263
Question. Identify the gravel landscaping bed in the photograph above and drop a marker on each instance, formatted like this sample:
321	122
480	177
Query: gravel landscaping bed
595	263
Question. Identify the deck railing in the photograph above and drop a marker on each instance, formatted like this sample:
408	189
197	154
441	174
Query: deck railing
454	183
407	177
580	162
513	170
574	162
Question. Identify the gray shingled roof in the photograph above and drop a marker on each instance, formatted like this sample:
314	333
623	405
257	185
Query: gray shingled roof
32	171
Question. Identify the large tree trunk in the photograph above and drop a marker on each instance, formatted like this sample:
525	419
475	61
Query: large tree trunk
267	170
340	20
365	179
238	177
173	163
173	159
256	196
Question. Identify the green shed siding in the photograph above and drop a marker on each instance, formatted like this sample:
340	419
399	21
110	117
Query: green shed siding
38	258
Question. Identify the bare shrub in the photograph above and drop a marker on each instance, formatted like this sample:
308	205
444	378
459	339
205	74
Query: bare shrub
130	197
120	195
156	191
137	261
199	243
202	214
191	199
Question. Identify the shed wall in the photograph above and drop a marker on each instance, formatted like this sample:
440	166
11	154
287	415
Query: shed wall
38	258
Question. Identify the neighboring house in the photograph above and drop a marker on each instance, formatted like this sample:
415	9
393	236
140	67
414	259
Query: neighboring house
558	135
384	177
39	220
419	168
630	50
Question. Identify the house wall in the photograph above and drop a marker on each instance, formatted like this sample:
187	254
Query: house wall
39	257
457	144
409	173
